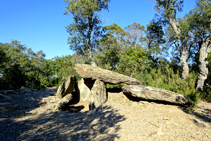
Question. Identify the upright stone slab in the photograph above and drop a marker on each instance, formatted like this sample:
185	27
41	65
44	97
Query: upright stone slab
66	87
91	72
85	86
156	94
97	95
83	90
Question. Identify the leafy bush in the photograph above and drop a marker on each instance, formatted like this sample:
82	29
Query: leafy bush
165	78
114	86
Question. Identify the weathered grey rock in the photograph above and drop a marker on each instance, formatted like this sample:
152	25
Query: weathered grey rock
25	90
7	92
4	98
31	99
33	112
88	71
84	87
66	87
5	103
65	102
97	95
156	94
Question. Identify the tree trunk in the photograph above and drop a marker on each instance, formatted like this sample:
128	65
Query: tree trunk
185	67
184	51
203	70
91	59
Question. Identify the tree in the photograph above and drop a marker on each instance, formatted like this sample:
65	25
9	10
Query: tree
14	65
169	9
63	66
132	61
113	38
154	39
134	33
3	57
200	25
111	46
86	28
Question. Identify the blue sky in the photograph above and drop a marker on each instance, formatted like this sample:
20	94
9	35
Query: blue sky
40	24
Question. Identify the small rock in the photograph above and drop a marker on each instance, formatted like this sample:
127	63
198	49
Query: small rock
7	98
5	103
15	106
28	94
165	118
33	112
144	102
31	99
160	131
26	90
7	92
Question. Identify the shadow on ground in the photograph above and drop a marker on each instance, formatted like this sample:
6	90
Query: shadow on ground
202	114
99	124
23	102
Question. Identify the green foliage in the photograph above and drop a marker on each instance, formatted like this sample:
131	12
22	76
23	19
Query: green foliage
63	67
131	61
13	65
12	78
22	67
165	78
134	33
109	60
86	29
113	38
110	30
169	9
206	94
114	86
154	37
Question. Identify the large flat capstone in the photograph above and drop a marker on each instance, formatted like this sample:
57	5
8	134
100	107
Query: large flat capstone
156	94
88	71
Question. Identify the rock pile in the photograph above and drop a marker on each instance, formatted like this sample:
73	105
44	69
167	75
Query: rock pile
5	99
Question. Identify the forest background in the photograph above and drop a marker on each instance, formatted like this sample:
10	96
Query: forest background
170	53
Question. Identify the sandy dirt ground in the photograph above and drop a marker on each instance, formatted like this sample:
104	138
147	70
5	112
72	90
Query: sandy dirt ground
32	116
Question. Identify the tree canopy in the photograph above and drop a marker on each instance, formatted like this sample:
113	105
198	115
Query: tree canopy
170	52
86	29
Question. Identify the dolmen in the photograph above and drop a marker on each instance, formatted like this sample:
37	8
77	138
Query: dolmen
92	88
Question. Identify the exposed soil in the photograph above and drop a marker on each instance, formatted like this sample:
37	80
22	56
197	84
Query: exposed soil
32	116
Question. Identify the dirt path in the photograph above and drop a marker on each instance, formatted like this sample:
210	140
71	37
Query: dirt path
33	118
